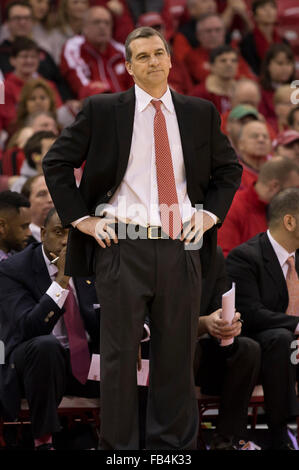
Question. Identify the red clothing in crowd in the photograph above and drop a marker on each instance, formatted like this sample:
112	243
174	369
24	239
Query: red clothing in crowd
198	65
245	219
222	102
122	24
13	88
82	64
179	78
249	175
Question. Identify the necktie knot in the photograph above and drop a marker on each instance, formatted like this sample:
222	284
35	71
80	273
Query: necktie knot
291	262
156	104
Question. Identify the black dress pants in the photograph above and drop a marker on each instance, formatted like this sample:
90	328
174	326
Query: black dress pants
44	373
232	373
158	278
278	377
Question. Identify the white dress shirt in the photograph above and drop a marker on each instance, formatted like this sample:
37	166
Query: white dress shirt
282	256
35	231
59	295
136	199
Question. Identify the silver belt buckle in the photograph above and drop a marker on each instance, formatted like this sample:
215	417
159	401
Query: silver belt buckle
150	235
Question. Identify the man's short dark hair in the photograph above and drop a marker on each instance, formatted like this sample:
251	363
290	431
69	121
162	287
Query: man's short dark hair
17	3
22	43
49	216
291	116
285	202
143	32
34	145
224	49
11	200
278	168
260	3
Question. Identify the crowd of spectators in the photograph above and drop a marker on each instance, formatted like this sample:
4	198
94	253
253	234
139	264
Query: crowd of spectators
243	55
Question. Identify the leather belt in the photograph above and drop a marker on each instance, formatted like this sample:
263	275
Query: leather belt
151	232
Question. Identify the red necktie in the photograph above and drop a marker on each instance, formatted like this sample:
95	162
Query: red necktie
168	199
292	281
80	358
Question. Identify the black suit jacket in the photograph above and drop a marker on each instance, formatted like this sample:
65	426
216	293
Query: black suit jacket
261	290
24	313
101	136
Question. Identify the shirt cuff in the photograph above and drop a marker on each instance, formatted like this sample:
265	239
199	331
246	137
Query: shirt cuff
148	331
57	293
75	223
297	329
214	217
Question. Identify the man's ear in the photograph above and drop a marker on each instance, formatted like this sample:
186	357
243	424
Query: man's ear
129	67
289	222
12	61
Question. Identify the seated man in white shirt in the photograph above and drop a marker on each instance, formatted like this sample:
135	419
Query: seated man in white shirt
265	270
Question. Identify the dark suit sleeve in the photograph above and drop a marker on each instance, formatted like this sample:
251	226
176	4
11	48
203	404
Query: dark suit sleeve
68	152
226	172
214	286
243	268
25	316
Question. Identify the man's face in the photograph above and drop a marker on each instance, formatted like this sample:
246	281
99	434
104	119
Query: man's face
26	63
54	236
98	27
40	8
211	33
20	21
150	62
254	141
40	201
225	66
14	229
266	14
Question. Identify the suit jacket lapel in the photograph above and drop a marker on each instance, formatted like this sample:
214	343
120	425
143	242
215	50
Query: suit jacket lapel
124	114
273	267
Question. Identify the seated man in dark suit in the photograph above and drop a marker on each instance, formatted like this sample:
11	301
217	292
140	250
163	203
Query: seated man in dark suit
50	325
265	270
229	371
14	223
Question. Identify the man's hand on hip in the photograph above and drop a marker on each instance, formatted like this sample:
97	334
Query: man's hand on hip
196	227
100	229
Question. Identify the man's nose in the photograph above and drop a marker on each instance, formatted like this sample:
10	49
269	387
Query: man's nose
154	60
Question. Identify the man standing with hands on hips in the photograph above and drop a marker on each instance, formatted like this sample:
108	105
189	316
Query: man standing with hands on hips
155	156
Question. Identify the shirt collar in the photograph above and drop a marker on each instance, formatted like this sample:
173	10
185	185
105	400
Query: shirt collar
281	253
52	269
143	99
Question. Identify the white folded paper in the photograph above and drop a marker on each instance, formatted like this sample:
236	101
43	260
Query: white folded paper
94	370
228	311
